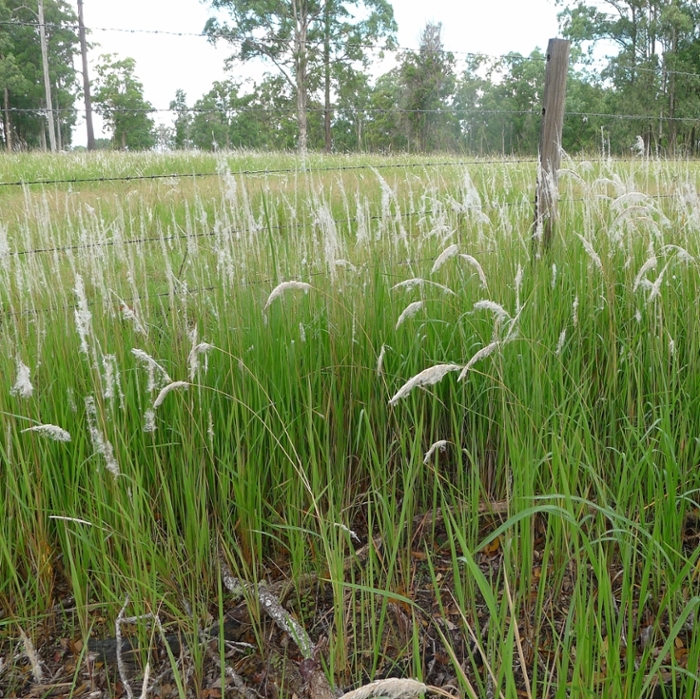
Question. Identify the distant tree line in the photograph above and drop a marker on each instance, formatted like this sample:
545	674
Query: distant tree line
322	94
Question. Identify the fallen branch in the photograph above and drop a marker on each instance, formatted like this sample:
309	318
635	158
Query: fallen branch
274	609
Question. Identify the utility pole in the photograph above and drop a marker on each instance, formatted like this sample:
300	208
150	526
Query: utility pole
550	141
86	79
47	81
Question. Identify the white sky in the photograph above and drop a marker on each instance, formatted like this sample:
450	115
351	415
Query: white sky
166	63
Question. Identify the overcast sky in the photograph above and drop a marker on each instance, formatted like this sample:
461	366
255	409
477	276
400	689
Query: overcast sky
165	63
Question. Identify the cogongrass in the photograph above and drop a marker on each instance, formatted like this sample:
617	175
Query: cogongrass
577	413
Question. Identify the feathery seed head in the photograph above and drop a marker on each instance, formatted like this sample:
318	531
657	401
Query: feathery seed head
495	308
380	361
562	340
427	377
409	312
649	264
445	255
83	316
173	386
391	688
149	421
283	287
440	445
475	264
23	385
592	254
481	354
54	432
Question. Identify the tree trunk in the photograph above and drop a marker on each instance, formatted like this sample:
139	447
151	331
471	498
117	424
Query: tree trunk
86	79
327	76
301	18
47	80
634	45
7	123
59	135
672	134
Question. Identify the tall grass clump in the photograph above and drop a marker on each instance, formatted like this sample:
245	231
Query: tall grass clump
486	462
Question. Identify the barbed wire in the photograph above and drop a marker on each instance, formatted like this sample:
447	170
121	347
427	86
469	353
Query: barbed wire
658	69
522	203
277	171
274	110
230	37
357	111
633	117
504	160
209	234
202	289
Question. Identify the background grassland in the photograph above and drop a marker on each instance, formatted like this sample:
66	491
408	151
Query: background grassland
557	524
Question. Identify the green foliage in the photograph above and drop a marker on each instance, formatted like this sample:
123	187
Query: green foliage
182	138
570	463
428	82
119	99
657	40
22	76
310	42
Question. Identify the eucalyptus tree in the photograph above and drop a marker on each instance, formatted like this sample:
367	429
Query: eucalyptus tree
21	74
657	45
428	83
303	39
182	128
119	100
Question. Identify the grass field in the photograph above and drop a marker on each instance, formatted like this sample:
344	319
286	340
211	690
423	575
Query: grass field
341	408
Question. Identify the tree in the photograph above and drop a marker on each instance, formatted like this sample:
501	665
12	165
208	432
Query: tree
10	75
21	75
119	100
428	82
260	118
383	130
182	137
351	112
216	114
655	40
300	36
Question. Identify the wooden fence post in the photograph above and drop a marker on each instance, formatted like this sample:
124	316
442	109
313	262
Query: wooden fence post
550	141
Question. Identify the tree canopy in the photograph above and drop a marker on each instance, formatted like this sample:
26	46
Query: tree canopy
304	40
323	90
119	100
21	75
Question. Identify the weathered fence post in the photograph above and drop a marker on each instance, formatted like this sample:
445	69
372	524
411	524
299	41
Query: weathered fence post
550	141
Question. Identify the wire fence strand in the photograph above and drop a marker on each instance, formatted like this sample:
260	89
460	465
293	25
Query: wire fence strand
523	203
277	171
231	37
